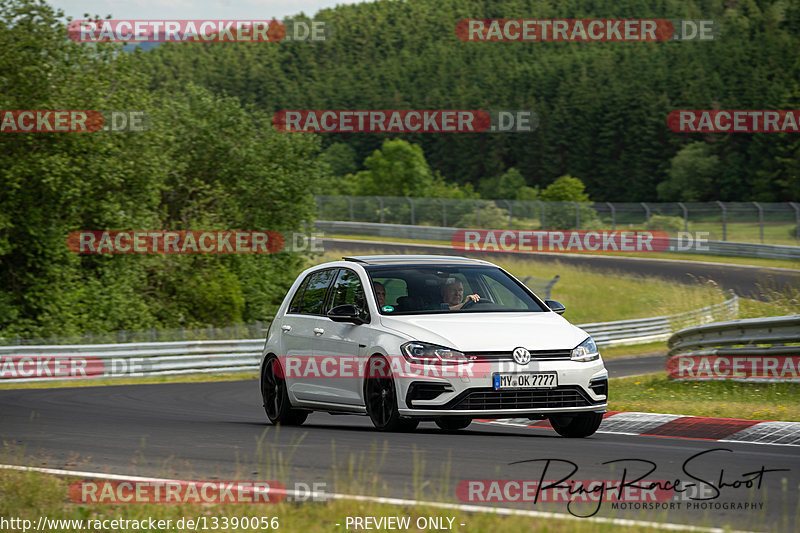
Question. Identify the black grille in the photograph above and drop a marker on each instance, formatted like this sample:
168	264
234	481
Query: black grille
491	400
536	355
425	391
599	386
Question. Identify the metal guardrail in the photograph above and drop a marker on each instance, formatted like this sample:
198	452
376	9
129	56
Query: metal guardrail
763	349
129	359
659	328
163	358
441	233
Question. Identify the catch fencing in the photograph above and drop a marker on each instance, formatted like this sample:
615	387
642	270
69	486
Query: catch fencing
677	245
755	222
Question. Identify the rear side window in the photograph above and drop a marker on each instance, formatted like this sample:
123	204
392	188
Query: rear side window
314	288
294	307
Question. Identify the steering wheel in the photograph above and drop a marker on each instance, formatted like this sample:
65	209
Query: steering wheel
469	303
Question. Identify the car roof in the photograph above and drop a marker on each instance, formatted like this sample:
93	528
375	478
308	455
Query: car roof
415	260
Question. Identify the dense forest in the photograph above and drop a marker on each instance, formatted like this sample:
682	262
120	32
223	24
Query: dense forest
212	160
602	105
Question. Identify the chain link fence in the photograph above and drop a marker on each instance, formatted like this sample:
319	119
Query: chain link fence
756	222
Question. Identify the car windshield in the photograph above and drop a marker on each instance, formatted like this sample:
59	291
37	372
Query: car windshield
448	289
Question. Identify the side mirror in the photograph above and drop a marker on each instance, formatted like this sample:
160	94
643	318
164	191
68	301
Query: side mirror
345	313
558	307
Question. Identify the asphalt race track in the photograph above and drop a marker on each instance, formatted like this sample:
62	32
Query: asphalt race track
211	431
746	281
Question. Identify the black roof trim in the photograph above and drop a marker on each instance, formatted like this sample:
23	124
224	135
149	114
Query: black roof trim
415	260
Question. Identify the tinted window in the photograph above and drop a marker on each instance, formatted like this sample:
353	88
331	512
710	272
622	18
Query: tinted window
423	288
314	295
294	307
348	290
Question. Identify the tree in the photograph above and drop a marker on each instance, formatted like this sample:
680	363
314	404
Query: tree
692	174
565	189
561	213
507	186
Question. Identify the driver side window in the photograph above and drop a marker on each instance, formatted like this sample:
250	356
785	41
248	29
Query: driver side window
348	290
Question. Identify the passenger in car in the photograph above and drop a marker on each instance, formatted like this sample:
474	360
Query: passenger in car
380	292
453	295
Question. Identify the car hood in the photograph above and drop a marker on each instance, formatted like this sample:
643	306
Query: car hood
482	332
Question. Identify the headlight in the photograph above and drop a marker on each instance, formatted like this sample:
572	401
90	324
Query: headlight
423	352
586	351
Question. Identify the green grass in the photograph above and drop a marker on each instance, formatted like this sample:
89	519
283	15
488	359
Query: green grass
30	495
751	261
657	393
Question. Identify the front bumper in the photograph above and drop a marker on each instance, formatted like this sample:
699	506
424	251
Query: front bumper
582	387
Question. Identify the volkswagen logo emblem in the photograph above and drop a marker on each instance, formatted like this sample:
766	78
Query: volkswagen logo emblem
521	356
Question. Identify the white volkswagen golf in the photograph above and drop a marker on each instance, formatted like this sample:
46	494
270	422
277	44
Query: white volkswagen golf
404	338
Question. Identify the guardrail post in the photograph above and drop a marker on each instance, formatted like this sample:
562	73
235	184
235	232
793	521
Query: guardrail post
647	214
685	217
796	208
760	221
550	285
380	207
411	203
352	215
577	215
477	212
613	215
444	212
724	220
510	214
544	217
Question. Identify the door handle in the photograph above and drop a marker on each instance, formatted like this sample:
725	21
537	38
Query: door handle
286	327
318	331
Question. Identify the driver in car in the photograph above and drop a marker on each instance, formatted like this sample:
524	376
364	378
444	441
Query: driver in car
453	295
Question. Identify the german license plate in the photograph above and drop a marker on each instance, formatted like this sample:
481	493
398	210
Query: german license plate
525	380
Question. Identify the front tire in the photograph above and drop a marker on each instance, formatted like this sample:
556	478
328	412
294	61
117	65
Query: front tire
380	397
276	398
576	426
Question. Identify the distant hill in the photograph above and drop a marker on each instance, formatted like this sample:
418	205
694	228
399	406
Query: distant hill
602	106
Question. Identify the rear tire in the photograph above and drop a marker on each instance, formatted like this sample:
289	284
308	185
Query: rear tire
576	426
453	423
276	398
380	398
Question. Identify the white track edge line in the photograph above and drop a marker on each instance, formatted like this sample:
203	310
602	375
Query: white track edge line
646	435
505	511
